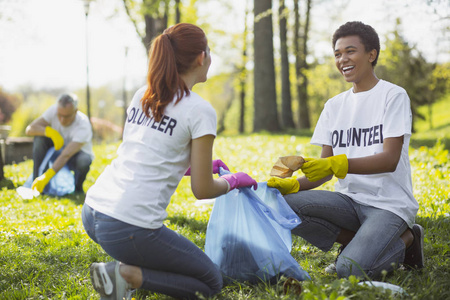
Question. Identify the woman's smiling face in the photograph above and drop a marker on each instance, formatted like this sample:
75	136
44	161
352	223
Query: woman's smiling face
352	59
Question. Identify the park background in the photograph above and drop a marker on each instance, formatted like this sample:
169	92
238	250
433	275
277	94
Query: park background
53	46
48	46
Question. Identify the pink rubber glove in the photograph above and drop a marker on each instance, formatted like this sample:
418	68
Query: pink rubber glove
217	163
240	179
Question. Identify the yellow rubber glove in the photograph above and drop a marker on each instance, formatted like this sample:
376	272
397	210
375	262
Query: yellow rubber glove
40	182
316	169
57	139
284	185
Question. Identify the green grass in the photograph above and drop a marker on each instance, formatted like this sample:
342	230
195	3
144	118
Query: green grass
45	254
427	132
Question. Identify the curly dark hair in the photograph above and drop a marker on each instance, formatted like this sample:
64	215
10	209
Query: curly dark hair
368	36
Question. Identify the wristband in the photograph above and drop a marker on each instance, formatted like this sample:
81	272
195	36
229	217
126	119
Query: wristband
228	184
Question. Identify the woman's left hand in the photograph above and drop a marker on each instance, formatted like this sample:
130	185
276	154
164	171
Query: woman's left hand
217	164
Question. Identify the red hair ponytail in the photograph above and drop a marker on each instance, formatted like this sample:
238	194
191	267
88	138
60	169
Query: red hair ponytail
172	53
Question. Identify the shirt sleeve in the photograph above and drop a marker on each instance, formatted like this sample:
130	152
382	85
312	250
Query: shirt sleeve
83	132
322	135
203	121
50	114
398	116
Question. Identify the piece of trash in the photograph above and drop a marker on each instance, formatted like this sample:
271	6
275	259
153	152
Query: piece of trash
27	193
384	285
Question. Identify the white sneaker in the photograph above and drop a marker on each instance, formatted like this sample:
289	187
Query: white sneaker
108	282
331	268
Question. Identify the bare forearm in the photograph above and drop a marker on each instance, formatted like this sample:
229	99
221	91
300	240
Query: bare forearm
35	130
210	190
383	162
378	163
305	184
60	162
37	127
203	184
70	150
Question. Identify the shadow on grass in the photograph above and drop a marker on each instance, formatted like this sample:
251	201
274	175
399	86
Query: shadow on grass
437	235
190	223
7	183
431	282
76	198
428	142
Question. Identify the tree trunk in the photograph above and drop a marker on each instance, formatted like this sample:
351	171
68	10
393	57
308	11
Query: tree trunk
221	121
153	28
2	164
305	107
301	66
243	76
154	23
297	52
177	12
265	112
287	120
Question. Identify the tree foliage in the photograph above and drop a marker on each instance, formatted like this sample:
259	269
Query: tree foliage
220	91
325	82
404	65
399	63
151	17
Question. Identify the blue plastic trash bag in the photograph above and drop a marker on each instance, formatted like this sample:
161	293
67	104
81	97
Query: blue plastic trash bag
249	236
62	183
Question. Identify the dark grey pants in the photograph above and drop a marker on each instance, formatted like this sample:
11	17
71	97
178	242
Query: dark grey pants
376	246
79	163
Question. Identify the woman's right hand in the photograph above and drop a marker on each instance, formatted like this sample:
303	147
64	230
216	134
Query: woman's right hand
284	185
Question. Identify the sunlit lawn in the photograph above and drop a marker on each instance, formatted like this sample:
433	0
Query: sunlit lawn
438	128
45	254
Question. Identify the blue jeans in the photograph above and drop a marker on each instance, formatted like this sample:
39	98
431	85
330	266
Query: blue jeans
170	263
79	163
376	246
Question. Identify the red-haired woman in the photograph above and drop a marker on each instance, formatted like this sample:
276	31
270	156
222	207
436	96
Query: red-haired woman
169	132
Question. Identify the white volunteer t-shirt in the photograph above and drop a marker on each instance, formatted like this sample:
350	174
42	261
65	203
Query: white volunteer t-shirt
79	131
356	124
137	186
